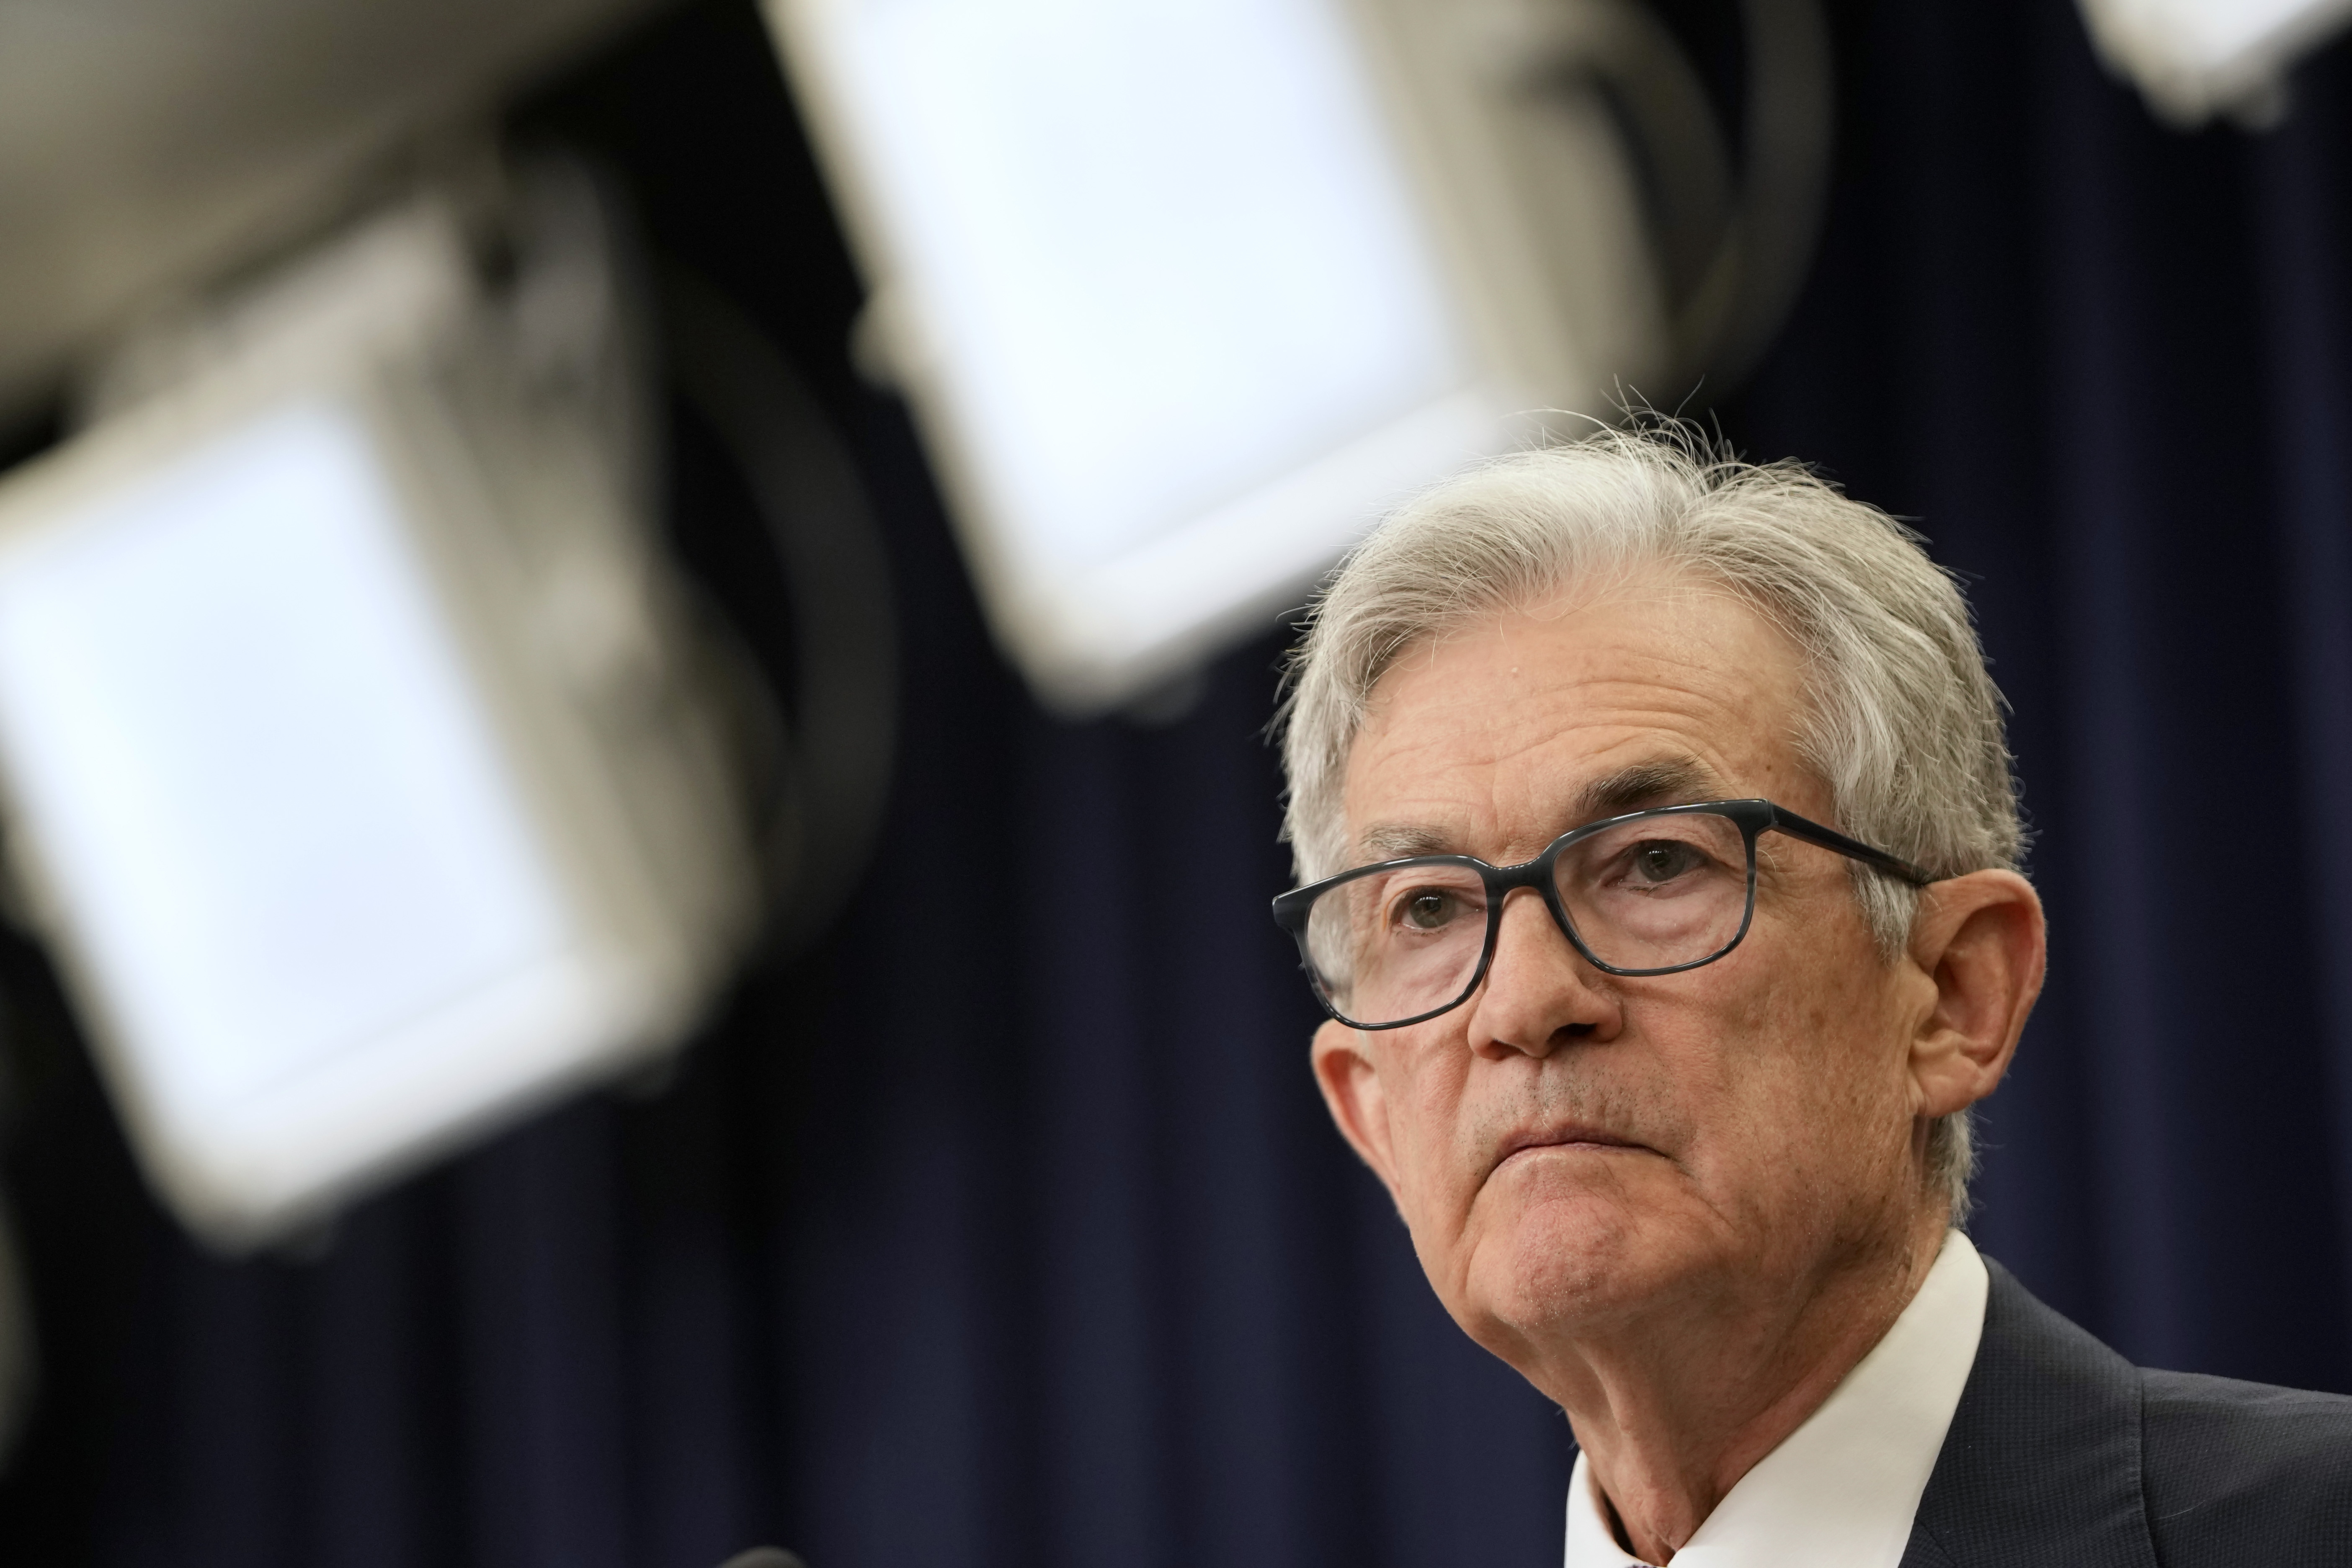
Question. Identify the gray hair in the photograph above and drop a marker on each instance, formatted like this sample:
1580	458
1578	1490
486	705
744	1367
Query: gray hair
1903	721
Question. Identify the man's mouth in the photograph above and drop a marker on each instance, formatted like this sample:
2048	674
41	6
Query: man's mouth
1570	1136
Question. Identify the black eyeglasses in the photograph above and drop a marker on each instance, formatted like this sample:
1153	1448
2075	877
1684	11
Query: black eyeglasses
1652	892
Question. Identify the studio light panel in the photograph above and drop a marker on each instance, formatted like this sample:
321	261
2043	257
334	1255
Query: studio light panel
343	850
2195	58
1170	293
1146	309
241	738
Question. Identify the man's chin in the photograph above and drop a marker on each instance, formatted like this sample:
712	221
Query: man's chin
1566	1258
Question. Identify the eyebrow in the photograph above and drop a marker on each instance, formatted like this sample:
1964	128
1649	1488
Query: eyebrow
1660	781
1657	781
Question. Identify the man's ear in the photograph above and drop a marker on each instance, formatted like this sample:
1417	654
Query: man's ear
1980	938
1351	1089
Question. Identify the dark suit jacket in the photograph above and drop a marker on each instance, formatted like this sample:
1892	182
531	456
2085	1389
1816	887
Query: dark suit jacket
2062	1452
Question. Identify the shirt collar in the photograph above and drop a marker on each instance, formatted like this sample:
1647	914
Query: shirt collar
1840	1491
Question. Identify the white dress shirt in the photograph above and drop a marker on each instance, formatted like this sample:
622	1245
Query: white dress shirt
1840	1491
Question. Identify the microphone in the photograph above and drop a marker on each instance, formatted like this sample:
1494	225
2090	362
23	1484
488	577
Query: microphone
763	1557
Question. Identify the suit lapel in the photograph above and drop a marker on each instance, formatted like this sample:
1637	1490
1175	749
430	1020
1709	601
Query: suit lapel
2042	1462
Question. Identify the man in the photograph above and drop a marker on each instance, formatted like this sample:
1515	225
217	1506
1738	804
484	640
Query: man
1659	851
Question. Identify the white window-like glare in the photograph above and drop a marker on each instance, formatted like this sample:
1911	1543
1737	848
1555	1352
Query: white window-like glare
2196	58
239	735
1161	268
1165	292
345	844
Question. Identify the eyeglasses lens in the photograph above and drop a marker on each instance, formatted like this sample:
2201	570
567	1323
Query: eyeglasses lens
1656	892
1398	943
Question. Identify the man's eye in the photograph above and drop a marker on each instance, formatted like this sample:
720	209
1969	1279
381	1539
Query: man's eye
1661	860
1430	910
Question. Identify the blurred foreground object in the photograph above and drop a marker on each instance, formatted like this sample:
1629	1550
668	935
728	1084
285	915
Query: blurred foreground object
145	147
1183	292
357	764
2197	58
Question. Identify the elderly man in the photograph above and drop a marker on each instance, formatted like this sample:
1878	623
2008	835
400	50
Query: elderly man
1659	848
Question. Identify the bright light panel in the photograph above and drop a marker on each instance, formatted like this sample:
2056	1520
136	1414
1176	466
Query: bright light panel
1162	293
2193	57
348	842
241	738
262	800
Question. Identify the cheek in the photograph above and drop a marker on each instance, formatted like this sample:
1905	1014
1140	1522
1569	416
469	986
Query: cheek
1813	1097
1428	1080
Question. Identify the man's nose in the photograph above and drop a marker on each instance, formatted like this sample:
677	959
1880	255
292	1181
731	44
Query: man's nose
1540	993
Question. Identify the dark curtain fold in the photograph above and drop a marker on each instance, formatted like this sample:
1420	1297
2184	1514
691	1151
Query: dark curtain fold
1004	1228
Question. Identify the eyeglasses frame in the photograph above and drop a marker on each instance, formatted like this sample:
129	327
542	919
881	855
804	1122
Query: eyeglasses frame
1752	817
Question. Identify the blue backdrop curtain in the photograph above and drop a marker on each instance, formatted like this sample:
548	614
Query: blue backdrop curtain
1004	1228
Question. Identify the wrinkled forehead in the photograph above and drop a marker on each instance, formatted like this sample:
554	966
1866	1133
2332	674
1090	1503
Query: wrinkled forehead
1665	779
1523	722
